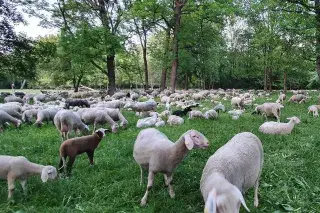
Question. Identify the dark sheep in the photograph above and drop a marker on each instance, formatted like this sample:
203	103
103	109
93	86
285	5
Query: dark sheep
182	112
76	102
19	94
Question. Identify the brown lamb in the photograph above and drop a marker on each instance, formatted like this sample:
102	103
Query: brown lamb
76	146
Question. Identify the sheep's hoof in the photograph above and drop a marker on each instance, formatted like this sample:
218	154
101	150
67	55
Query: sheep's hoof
143	202
172	194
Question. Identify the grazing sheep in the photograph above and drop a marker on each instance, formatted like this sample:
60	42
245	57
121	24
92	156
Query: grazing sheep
76	102
154	152
39	98
13	99
182	112
219	107
142	106
76	146
98	116
195	114
211	114
116	115
29	114
66	121
45	115
237	102
119	95
11	112
147	122
297	98
5	117
275	128
269	109
175	120
314	110
14	168
230	172
28	97
111	104
281	98
236	112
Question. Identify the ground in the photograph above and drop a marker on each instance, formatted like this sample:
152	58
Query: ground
290	178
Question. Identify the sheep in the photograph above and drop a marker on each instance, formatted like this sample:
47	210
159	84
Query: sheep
237	102
219	107
165	99
119	95
76	102
76	146
182	112
230	172
116	115
19	94
154	152
147	122
175	120
14	168
111	104
297	98
98	116
211	114
45	115
39	98
29	114
5	117
13	99
165	114
314	110
12	105
142	106
275	128
11	112
281	98
66	120
269	109
195	114
28	97
236	112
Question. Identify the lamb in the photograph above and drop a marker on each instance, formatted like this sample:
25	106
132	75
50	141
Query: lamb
66	120
45	115
76	146
175	120
13	99
195	114
18	167
274	128
211	114
76	102
154	152
182	112
314	110
98	116
237	102
29	114
147	122
5	117
269	109
230	172
142	106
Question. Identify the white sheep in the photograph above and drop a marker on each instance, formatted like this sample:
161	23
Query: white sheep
154	152
314	110
275	128
20	168
165	114
5	117
281	98
175	120
230	172
195	114
29	114
147	122
269	109
237	102
219	107
211	114
142	106
97	116
45	115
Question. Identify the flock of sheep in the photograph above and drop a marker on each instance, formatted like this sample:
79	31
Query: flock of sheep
228	173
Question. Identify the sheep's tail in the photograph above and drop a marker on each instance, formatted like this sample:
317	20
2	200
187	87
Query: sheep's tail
62	158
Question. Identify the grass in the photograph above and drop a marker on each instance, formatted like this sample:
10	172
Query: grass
290	179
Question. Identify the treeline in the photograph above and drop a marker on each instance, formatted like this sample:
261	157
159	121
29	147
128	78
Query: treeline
270	44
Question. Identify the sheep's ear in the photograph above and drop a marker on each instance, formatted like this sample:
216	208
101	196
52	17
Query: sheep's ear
44	175
211	206
289	118
240	196
188	141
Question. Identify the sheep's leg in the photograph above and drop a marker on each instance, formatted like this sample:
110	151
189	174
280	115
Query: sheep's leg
90	156
10	187
165	179
60	165
169	181
24	186
150	183
69	165
141	175
256	200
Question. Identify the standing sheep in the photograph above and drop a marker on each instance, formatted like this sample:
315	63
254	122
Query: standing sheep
154	152
29	114
98	116
13	168
45	115
237	102
269	109
211	114
5	117
275	128
195	114
230	172
314	110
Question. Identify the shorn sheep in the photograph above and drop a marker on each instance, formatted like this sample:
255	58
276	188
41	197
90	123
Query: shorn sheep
20	168
269	109
76	146
154	152
314	109
230	172
275	128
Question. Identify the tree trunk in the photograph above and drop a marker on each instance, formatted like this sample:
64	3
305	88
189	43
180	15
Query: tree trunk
111	74
265	87
165	67
175	63
186	82
317	10
270	79
285	82
145	62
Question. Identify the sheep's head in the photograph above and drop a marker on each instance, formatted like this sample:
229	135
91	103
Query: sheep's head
114	128
101	132
194	139
294	119
128	105
48	172
227	202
